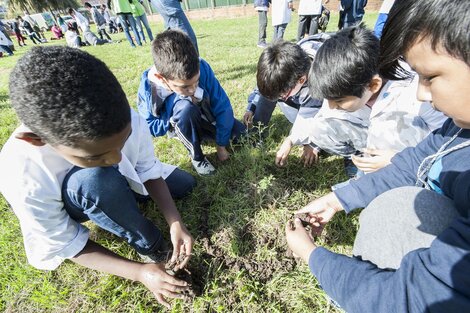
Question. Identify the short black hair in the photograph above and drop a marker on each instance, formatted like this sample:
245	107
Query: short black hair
175	56
345	64
87	5
70	10
445	23
280	66
65	95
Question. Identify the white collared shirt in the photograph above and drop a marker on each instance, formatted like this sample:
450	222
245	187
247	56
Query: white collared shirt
31	182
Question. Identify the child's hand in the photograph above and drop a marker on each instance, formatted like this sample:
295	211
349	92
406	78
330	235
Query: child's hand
283	152
222	153
248	119
160	283
299	240
376	160
182	244
322	210
309	155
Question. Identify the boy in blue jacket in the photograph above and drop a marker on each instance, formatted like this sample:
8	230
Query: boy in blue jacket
412	251
181	94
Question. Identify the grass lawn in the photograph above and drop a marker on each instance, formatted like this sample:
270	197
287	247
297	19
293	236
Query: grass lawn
237	216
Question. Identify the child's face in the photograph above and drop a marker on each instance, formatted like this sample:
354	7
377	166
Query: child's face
350	103
443	80
183	87
97	153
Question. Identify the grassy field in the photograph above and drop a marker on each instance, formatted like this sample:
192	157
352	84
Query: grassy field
237	216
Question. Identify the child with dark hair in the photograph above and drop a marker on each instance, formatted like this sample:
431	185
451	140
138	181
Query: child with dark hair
282	78
351	83
16	29
99	20
83	154
181	94
412	251
72	37
28	28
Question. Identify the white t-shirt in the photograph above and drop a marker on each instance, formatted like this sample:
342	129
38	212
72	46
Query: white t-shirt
31	182
281	14
386	6
399	120
310	7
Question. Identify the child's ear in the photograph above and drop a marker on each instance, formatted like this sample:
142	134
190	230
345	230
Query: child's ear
159	76
30	138
375	83
303	79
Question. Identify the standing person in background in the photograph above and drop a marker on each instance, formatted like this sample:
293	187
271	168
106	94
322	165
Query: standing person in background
138	11
99	20
174	17
309	13
28	29
281	15
107	17
35	26
262	7
353	12
123	9
62	24
15	26
382	18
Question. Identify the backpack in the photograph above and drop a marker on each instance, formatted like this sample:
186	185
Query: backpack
323	19
312	43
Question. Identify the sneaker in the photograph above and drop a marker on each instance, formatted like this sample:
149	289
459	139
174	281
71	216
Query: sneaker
261	45
156	257
203	167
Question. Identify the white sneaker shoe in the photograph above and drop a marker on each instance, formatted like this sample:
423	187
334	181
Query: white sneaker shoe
203	167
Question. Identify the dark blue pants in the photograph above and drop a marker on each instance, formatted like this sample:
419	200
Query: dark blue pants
102	195
191	128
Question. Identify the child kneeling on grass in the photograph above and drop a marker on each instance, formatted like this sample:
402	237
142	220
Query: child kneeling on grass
352	83
180	93
83	154
412	251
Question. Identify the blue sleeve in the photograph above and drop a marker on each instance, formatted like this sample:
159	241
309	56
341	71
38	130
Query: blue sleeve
220	104
253	100
435	279
402	172
157	126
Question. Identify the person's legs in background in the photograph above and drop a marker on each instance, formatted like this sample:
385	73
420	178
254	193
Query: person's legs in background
262	24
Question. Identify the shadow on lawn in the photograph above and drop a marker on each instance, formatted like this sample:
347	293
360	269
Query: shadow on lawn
238	72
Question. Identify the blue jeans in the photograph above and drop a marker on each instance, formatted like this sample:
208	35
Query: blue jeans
6	49
279	31
174	17
191	128
102	195
127	17
142	20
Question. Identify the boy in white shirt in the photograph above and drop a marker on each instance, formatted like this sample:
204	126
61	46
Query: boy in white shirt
351	83
83	154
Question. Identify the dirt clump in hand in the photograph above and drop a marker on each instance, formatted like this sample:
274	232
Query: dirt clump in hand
172	268
304	218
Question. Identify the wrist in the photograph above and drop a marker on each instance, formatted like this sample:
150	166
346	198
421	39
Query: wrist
309	252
